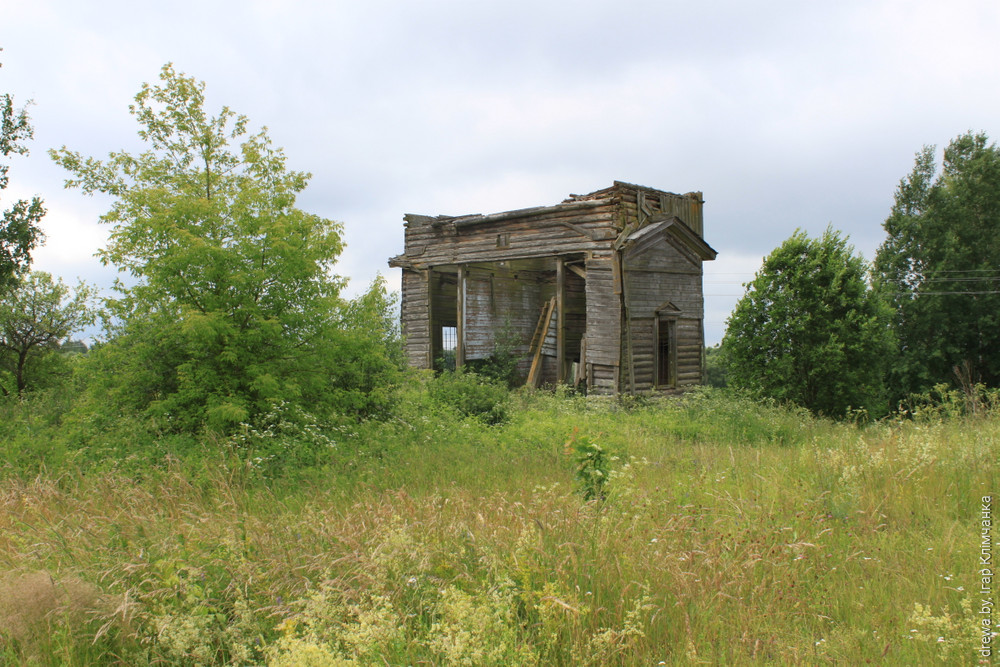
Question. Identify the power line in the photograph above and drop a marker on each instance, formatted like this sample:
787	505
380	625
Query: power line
964	271
921	293
954	293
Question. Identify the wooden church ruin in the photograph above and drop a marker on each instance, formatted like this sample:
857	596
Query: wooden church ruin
603	290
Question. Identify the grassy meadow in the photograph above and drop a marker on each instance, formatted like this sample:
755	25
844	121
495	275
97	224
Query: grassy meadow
717	531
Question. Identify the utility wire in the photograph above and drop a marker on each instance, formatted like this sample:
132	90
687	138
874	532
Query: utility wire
919	293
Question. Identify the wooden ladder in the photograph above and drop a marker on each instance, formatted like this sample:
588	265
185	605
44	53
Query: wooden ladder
538	340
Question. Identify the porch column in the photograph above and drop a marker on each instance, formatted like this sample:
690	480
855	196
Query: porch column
432	332
560	321
460	319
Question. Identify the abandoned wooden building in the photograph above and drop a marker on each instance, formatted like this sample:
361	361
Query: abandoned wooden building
603	289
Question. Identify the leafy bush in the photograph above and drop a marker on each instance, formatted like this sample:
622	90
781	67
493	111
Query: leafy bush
287	437
471	395
944	403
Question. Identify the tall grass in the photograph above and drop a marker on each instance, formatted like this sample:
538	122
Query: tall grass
729	532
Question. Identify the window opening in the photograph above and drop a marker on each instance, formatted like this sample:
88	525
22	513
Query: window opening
449	339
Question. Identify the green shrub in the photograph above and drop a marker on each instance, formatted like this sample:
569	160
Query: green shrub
471	395
943	403
284	438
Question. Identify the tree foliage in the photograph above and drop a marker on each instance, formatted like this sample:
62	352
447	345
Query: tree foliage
34	317
939	267
19	230
716	370
808	330
231	304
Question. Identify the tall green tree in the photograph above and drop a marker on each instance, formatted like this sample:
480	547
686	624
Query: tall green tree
19	224
939	267
809	330
232	304
35	317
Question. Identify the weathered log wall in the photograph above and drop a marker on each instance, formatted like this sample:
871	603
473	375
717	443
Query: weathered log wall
414	318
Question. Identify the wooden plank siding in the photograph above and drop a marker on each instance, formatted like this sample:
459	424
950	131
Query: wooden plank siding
619	254
603	313
414	320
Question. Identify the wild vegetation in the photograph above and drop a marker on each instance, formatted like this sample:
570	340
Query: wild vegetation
708	529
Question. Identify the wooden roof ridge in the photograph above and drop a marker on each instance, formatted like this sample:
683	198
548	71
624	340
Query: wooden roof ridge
616	187
634	186
600	197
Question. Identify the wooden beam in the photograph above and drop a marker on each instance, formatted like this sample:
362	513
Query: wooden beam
460	319
579	230
560	320
431	333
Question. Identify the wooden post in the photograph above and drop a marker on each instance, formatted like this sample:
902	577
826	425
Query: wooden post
560	321
460	319
432	334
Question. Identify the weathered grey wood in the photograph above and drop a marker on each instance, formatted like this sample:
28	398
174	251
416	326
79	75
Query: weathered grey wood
413	327
427	321
538	342
528	212
608	261
460	319
560	320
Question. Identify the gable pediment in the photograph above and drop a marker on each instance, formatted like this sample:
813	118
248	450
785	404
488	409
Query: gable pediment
670	230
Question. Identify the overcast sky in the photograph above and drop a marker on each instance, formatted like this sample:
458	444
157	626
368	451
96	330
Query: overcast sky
785	114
